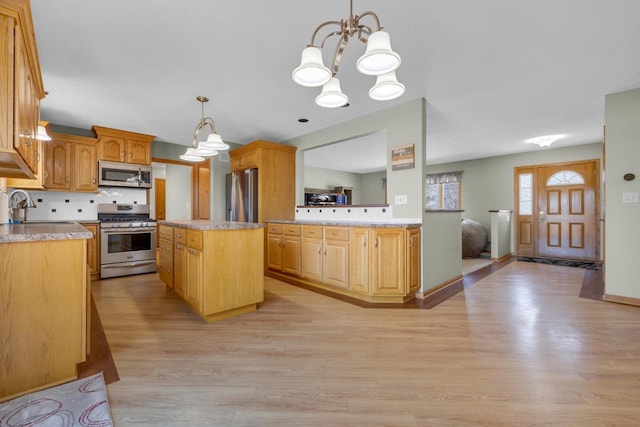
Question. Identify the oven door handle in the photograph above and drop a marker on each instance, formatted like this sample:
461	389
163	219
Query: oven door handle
122	230
129	264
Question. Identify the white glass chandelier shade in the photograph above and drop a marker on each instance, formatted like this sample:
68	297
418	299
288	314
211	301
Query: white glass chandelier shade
387	87
332	96
191	155
311	72
214	142
378	58
205	151
42	134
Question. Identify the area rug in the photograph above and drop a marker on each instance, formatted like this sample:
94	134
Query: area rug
82	402
561	262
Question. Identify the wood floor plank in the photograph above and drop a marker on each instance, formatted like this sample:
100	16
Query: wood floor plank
516	347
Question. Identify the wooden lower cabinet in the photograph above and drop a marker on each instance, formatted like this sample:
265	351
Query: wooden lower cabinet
214	270
165	255
43	314
283	249
93	250
376	264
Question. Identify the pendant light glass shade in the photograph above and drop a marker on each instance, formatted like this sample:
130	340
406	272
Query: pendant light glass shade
332	96
387	87
215	142
378	58
205	151
311	72
42	134
191	155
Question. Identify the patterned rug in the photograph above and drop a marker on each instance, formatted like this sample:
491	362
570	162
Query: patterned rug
82	402
562	262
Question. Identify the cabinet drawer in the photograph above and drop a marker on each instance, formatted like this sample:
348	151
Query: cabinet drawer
165	232
194	239
180	235
314	231
274	228
336	233
291	230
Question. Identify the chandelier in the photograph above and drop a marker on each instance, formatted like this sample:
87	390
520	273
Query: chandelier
378	60
210	147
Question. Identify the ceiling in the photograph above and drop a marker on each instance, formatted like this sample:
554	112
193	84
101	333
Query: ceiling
494	72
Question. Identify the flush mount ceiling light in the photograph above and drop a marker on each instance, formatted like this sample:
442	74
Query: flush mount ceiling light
210	147
544	141
378	60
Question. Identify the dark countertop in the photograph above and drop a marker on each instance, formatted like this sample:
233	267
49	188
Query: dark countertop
370	224
43	230
204	224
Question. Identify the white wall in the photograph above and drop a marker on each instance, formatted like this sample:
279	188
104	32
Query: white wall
622	245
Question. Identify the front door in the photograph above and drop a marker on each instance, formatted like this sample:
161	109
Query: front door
562	219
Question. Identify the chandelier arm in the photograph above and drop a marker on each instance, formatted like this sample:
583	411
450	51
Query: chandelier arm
321	26
374	16
338	53
204	122
335	33
363	29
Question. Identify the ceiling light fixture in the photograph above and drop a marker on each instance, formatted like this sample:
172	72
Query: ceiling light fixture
378	60
544	141
210	147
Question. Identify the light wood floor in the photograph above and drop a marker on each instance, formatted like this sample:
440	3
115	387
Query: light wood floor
517	348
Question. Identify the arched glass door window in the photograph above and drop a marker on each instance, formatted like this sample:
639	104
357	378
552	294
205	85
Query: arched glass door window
566	177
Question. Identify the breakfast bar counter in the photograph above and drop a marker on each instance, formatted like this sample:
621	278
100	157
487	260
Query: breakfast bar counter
212	265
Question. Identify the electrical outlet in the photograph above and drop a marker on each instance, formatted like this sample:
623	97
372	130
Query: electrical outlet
401	199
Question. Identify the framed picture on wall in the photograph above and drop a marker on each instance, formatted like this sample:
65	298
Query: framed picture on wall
403	157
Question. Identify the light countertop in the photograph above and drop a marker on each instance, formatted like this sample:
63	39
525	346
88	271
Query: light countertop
43	230
204	224
338	223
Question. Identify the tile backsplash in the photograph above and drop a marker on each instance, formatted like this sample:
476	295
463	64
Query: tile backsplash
55	205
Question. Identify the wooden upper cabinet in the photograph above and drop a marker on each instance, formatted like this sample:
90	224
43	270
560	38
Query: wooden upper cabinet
276	165
20	92
117	145
71	163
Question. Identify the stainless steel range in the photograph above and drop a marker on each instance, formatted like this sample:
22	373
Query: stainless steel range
127	240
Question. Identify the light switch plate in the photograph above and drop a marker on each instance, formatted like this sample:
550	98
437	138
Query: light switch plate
401	199
630	197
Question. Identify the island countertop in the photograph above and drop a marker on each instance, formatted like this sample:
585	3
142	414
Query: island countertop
43	230
205	224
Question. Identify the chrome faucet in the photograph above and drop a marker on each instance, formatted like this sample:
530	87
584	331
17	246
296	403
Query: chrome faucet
14	209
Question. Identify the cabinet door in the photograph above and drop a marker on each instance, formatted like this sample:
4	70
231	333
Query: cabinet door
274	251
388	261
291	255
359	260
111	148
25	106
138	152
85	167
165	264
194	278
180	269
414	259
311	254
57	174
336	263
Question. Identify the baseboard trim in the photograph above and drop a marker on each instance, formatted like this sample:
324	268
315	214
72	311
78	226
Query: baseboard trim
622	300
502	258
439	288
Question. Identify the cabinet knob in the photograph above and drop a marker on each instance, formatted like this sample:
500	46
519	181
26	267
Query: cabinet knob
68	179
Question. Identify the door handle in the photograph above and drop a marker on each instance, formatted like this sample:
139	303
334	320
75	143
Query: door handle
541	218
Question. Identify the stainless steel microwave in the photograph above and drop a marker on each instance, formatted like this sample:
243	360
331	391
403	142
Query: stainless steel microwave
114	174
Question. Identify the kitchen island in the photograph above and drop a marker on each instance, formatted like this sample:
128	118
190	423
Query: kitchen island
212	265
44	294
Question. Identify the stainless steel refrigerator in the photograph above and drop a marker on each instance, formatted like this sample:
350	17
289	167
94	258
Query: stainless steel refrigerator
242	196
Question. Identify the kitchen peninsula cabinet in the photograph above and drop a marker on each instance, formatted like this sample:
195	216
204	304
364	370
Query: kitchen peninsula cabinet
71	163
283	248
117	145
374	263
93	250
165	255
216	264
21	90
44	311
